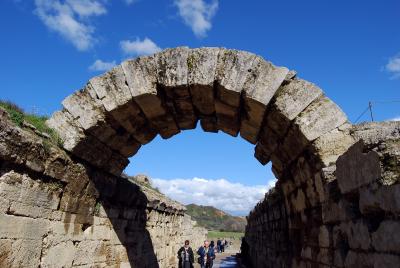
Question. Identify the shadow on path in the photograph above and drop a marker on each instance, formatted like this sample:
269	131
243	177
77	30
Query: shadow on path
226	262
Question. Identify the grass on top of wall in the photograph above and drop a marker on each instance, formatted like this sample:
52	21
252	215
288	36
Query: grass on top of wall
19	116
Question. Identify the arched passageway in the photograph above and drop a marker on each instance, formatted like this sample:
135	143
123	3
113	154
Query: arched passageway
290	121
336	202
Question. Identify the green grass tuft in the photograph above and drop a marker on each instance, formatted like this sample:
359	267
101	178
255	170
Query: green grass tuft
18	116
217	234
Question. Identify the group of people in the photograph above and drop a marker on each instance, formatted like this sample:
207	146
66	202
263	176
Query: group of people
206	254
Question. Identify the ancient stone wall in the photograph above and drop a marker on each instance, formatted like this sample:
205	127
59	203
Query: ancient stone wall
354	222
59	212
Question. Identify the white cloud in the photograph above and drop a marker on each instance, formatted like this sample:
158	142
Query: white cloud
139	47
393	66
85	8
235	198
394	119
197	14
70	19
100	65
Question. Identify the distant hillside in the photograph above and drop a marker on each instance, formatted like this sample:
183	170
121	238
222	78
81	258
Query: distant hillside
215	219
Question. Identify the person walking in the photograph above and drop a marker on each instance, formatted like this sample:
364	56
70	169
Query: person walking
186	256
219	242
222	246
207	255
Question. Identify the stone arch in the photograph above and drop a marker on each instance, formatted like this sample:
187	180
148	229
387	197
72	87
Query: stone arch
237	92
291	122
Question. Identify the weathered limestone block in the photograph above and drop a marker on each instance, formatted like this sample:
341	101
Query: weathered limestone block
357	234
319	118
355	168
386	260
289	101
387	237
111	89
20	253
383	138
376	132
325	256
114	93
232	70
260	86
68	131
27	197
266	145
86	110
375	198
13	227
60	255
355	259
87	146
333	212
202	64
141	76
331	145
298	201
324	237
172	70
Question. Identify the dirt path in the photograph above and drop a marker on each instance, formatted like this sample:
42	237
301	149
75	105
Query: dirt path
223	260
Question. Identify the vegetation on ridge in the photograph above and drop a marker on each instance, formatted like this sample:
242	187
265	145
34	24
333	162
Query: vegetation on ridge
215	219
19	117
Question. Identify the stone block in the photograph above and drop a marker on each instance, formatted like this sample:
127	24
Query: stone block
66	128
20	253
355	259
141	76
111	88
324	237
172	70
356	168
14	227
59	255
86	110
331	145
386	260
376	198
202	65
319	118
290	101
231	74
387	237
260	86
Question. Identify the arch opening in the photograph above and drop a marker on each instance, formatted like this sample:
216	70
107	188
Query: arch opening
290	121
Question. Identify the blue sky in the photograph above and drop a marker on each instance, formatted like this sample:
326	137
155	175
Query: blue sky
351	49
